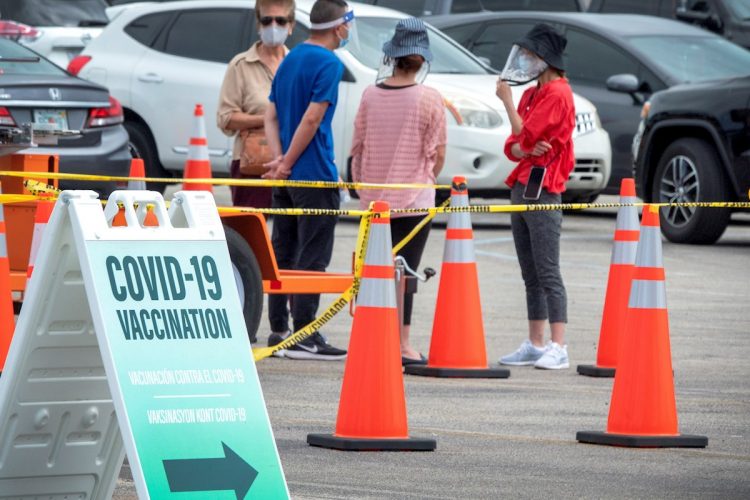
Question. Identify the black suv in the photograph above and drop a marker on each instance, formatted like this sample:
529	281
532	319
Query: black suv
694	145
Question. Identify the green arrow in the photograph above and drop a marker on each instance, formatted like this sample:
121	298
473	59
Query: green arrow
211	474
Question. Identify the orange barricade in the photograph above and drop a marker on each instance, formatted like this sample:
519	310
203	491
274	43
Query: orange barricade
457	347
642	410
372	407
618	286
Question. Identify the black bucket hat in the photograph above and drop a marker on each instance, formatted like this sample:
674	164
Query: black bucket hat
546	42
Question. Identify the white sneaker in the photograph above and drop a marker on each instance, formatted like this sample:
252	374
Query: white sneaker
555	357
527	354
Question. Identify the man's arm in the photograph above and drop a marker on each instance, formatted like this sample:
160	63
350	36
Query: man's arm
308	126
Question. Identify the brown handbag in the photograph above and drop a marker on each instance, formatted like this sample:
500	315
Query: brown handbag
255	152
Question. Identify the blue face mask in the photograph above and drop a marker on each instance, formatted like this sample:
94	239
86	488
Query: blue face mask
344	41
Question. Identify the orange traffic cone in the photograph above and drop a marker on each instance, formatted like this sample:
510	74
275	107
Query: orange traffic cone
198	165
137	169
457	348
6	298
642	411
618	286
41	217
372	407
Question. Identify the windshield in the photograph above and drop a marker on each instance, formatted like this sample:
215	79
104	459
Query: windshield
740	9
373	32
695	59
55	12
26	62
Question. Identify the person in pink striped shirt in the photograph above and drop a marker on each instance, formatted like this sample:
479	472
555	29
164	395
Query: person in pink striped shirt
399	137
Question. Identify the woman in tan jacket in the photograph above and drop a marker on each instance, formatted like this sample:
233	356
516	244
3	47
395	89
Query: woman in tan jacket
247	84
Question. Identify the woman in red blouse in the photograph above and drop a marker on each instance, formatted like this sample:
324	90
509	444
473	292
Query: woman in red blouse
542	137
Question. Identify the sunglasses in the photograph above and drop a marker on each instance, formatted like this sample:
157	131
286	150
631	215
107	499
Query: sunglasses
280	20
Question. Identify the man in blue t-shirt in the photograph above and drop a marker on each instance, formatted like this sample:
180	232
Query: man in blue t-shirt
298	127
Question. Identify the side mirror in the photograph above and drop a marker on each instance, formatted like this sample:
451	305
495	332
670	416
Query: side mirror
627	83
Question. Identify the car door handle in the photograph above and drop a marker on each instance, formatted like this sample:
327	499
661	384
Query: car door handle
150	78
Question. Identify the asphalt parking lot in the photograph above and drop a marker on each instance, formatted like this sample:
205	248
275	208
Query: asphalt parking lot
516	437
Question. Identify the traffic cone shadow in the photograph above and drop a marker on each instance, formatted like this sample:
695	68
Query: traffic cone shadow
457	347
7	323
372	406
198	164
642	409
618	286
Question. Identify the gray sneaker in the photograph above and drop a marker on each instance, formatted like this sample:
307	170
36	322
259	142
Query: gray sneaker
527	354
554	358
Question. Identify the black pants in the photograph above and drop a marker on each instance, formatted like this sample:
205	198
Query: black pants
412	251
303	243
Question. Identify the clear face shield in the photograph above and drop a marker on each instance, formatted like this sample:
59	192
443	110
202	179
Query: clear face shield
522	66
351	38
388	67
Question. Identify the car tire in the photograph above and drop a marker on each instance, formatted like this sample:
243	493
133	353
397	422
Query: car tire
142	146
248	278
689	171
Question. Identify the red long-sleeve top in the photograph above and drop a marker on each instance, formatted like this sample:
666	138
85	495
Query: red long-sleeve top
548	115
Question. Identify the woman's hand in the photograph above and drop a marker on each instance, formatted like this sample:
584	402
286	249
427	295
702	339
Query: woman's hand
504	92
540	148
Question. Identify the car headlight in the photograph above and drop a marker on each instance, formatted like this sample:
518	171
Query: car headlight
472	113
586	123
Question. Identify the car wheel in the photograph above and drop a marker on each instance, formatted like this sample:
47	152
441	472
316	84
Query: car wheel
142	146
689	171
248	278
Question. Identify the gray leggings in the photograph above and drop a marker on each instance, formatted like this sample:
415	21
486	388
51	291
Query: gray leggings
537	239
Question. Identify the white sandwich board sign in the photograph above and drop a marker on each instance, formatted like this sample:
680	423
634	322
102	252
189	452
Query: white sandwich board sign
131	339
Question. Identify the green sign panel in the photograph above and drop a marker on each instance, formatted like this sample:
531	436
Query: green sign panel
178	346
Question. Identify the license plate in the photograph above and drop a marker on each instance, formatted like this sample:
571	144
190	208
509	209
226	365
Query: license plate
51	119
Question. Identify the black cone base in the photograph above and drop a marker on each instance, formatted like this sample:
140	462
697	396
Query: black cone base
636	441
361	444
596	371
432	371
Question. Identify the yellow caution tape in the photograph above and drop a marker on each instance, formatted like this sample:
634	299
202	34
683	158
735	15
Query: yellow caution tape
346	297
336	307
13	198
401	244
224	181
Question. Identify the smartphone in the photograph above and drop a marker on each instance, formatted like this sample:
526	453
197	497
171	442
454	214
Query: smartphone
534	185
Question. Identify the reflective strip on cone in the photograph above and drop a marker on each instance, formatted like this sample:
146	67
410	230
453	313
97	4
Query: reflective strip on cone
627	217
649	248
377	292
378	254
3	243
459	252
624	252
647	294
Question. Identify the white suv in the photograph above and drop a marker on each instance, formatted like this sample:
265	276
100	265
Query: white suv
160	60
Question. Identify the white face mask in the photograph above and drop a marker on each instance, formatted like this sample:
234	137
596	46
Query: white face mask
273	35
